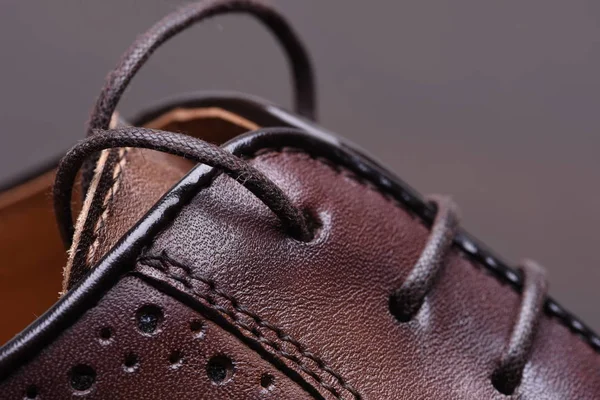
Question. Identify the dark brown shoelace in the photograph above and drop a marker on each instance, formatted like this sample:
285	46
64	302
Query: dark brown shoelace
406	301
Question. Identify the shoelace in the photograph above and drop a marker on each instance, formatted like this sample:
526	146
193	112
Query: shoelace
404	302
407	300
133	59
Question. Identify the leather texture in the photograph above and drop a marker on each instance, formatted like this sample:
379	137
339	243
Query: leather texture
313	317
169	363
331	295
201	293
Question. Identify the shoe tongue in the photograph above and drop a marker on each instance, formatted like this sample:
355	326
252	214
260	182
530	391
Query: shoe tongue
129	181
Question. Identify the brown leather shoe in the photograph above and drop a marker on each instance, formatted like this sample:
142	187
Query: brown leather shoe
229	249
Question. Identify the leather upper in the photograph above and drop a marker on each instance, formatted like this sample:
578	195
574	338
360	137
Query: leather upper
181	283
296	320
332	294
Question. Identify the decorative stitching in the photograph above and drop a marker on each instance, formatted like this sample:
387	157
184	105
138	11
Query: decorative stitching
83	238
469	248
108	199
163	264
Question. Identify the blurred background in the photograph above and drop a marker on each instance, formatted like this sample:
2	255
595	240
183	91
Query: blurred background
495	103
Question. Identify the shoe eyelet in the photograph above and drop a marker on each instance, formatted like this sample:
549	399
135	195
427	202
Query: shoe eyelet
502	386
397	311
315	225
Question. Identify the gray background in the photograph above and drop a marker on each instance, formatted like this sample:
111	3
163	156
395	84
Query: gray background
493	102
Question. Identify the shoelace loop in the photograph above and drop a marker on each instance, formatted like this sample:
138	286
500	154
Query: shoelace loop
294	220
144	46
406	301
